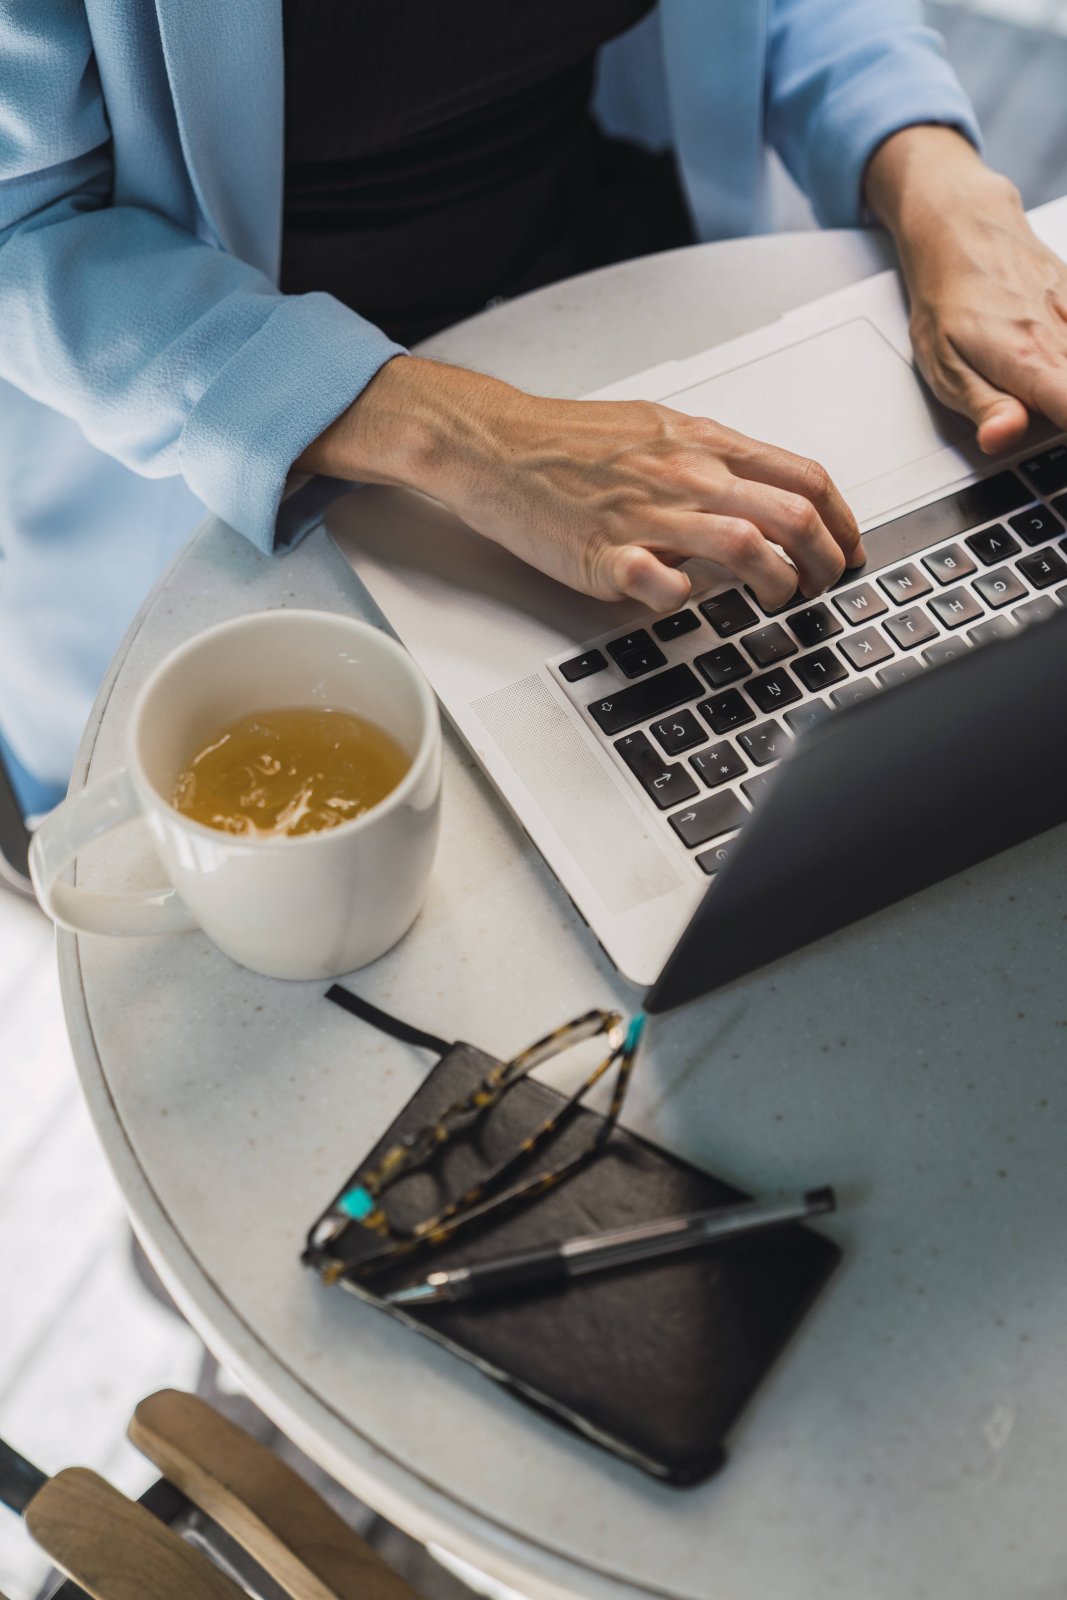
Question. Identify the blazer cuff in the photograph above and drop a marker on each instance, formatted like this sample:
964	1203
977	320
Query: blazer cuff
865	112
305	365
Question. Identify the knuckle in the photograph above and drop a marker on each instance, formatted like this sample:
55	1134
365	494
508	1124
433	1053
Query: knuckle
703	432
626	565
742	542
800	518
816	480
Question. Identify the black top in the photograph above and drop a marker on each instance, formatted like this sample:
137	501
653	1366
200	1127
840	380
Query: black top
440	153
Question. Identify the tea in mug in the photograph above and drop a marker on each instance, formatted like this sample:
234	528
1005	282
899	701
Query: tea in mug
288	772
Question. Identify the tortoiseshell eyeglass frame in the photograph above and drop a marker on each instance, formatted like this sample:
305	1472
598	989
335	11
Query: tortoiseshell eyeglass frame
362	1204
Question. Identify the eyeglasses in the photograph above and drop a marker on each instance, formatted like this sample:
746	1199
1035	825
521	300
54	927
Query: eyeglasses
365	1202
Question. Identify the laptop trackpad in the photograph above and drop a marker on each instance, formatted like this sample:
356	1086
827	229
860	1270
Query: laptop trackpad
846	398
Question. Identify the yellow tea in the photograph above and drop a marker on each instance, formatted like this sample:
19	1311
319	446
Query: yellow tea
288	772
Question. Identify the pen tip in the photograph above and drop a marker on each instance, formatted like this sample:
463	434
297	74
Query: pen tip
823	1199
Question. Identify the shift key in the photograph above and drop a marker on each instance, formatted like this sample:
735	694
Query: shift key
707	819
651	697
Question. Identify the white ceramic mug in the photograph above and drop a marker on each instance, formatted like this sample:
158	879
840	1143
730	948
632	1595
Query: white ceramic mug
313	906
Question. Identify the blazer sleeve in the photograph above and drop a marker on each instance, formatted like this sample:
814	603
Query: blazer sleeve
171	355
842	75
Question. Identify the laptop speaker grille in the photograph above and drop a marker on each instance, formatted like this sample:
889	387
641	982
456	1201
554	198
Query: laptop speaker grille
602	833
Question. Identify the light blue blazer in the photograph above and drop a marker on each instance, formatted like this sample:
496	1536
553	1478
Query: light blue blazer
149	367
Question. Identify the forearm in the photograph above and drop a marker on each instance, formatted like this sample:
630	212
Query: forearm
413	425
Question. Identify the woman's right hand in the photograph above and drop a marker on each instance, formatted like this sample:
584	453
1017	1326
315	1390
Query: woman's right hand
609	496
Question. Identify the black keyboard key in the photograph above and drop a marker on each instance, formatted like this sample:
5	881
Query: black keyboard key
1037	525
943	519
635	654
1043	568
951	564
710	861
637	640
722	666
945	650
795	599
677	733
1000	588
768	645
993	628
956	607
773	690
909	628
1060	505
1038	610
582	666
728	613
668	785
905	584
638	662
766	743
651	698
899	672
814	624
809	715
673	627
726	711
851	693
757	787
860	604
820	669
865	649
1048	471
717	813
992	546
718	765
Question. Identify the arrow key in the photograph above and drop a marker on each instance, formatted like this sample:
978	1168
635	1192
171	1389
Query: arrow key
667	785
717	814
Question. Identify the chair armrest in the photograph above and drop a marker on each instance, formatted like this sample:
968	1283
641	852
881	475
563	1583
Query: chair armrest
115	1549
261	1502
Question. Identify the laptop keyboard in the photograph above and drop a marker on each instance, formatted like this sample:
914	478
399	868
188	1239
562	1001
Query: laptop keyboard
697	707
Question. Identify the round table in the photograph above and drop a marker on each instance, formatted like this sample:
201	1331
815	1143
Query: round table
910	1442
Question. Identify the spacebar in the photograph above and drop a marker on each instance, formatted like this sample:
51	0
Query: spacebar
649	698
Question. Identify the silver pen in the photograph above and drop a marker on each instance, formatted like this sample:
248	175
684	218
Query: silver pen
593	1252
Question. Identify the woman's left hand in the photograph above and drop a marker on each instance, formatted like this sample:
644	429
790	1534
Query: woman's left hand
988	299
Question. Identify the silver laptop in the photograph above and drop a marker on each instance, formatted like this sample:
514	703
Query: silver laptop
633	747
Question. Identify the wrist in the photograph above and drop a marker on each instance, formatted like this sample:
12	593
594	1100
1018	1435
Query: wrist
417	424
924	179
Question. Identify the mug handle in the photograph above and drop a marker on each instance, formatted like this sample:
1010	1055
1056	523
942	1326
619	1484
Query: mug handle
78	820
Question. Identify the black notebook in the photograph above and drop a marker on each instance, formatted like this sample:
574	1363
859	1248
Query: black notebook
653	1361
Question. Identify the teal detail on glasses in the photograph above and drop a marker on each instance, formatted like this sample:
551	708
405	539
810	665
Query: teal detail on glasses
357	1204
634	1032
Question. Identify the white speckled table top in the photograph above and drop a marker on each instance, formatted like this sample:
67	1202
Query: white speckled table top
911	1440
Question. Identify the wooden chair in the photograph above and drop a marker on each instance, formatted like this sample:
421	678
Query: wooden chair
117	1549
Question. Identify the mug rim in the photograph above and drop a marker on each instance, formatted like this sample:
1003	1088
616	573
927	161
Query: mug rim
411	779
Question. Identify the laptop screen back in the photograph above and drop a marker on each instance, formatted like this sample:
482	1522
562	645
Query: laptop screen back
883	799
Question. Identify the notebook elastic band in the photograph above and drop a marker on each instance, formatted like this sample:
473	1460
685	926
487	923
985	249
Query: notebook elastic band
384	1022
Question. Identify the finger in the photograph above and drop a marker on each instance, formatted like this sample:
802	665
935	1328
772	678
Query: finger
640	575
739	546
765	463
1001	419
794	523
